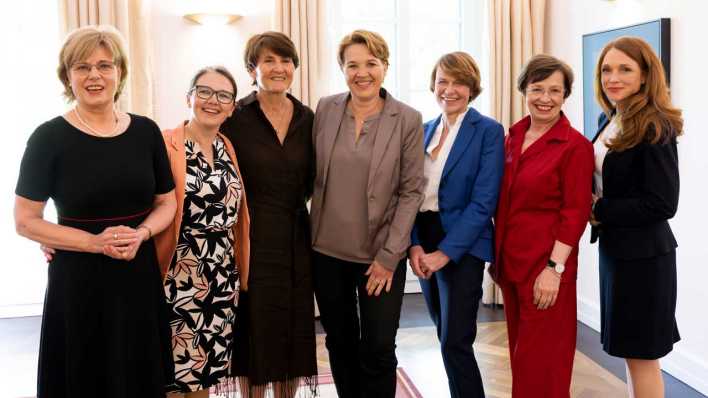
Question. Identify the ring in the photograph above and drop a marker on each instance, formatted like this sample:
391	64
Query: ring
115	236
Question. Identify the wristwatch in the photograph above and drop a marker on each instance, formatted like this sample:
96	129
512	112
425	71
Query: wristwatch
558	267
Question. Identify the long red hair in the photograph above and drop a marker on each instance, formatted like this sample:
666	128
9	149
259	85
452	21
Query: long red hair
647	114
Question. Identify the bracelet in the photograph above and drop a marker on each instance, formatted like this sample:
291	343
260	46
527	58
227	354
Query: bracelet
148	229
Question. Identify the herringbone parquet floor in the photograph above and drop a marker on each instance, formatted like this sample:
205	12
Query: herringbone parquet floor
418	353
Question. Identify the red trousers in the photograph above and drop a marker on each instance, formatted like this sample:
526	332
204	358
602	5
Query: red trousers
541	342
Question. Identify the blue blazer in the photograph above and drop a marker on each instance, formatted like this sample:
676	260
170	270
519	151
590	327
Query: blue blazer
469	186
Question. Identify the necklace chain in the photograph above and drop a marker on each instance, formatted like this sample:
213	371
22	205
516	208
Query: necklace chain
276	119
94	131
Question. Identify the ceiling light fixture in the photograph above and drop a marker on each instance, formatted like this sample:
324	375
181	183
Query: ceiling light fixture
212	19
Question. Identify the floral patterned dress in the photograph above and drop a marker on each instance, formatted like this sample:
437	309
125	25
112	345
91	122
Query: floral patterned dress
202	282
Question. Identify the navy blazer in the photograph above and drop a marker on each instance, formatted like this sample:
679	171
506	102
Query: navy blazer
469	186
640	188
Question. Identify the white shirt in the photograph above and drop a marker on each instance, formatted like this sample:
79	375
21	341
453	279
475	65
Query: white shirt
608	133
432	169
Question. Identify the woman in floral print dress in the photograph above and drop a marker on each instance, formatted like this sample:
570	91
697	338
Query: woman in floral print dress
204	252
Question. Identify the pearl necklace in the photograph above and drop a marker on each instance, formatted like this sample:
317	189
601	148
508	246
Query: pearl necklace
96	132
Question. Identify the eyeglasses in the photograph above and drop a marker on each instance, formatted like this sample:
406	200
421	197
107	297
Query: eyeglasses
205	92
553	92
83	69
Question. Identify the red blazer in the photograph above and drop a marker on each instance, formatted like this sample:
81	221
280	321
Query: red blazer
546	195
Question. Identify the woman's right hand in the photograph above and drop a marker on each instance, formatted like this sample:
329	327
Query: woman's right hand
416	253
593	221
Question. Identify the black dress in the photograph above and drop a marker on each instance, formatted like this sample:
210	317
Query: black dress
275	335
104	328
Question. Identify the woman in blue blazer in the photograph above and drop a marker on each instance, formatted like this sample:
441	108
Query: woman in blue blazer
452	236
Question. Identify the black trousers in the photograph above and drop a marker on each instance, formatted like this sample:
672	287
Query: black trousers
361	342
452	295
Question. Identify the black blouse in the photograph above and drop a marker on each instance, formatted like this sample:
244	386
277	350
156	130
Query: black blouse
274	175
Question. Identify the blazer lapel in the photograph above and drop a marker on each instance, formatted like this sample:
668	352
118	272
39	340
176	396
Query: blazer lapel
430	132
604	121
385	130
464	136
331	123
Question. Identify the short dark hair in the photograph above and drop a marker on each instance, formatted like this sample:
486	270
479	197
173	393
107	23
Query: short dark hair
539	67
273	41
216	69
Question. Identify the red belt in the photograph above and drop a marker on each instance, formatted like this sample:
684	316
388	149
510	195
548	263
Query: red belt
142	213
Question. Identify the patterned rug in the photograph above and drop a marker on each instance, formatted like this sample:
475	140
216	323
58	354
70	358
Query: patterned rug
404	386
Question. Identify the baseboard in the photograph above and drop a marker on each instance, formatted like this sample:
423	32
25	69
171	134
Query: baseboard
20	310
589	313
680	364
688	368
412	286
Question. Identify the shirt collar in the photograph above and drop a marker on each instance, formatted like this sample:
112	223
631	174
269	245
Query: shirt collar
454	128
559	131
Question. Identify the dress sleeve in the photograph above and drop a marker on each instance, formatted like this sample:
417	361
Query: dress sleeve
36	177
160	162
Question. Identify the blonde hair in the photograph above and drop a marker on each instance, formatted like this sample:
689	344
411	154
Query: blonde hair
462	67
81	43
647	114
372	40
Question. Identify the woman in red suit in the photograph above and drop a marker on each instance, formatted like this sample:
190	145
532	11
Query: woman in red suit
544	205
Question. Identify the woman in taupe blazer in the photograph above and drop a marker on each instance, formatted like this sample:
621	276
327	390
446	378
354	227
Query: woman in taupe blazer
368	188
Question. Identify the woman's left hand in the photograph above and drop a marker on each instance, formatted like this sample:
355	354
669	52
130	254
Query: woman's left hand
545	289
432	262
127	252
379	277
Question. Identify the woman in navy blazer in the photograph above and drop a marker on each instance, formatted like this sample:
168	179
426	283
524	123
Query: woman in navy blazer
452	236
636	192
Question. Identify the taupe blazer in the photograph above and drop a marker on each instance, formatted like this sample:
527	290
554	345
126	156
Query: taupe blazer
395	184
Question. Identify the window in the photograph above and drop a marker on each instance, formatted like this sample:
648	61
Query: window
31	95
418	32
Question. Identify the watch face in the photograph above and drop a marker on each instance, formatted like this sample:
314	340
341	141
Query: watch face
560	268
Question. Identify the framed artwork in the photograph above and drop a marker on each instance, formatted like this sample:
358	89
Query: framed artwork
657	33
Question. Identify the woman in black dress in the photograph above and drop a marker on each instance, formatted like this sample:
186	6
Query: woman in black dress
636	192
271	132
104	327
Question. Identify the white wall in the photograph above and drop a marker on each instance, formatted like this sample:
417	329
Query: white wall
181	48
32	96
568	20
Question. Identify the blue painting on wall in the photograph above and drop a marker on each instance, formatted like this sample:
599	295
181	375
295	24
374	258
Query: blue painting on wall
656	33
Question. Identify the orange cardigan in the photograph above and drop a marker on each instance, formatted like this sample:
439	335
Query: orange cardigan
166	241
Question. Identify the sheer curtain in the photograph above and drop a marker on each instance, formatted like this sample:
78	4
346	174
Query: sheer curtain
303	22
131	18
516	30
